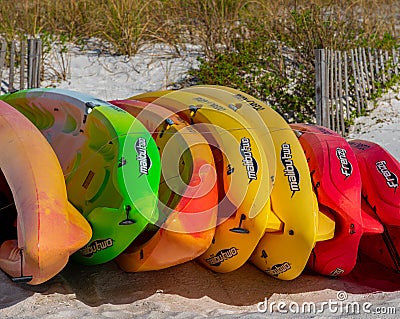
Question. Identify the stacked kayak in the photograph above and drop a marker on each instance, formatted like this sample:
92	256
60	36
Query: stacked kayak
188	193
40	229
337	182
380	173
247	176
282	254
110	163
205	173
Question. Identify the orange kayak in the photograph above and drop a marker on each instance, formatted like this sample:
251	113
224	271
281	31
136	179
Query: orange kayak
40	229
188	192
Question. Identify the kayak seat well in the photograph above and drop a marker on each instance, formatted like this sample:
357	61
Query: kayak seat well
8	211
42	118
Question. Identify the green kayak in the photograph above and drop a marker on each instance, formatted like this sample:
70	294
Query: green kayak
110	162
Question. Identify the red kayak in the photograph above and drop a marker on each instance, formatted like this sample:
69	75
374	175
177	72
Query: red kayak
380	173
337	183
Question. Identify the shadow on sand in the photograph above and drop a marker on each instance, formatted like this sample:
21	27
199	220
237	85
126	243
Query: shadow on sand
107	284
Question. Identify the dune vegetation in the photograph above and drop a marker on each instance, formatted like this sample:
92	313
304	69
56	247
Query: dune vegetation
265	48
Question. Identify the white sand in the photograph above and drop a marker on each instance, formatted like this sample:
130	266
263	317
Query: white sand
382	125
190	290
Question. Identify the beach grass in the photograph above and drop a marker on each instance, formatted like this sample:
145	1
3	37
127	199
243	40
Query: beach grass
214	24
264	48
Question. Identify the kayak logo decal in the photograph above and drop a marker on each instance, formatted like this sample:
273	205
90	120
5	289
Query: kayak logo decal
359	145
96	246
224	254
324	130
290	169
142	156
256	106
278	269
337	272
212	104
345	166
391	179
248	160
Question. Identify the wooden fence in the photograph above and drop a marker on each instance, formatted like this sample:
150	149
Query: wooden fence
346	80
20	64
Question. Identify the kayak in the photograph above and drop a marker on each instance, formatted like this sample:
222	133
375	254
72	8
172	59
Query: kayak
188	193
110	162
380	173
40	229
337	183
282	254
243	169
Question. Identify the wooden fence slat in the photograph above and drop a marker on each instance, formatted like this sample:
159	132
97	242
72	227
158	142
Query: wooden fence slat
364	81
371	70
346	83
3	50
335	89
328	87
378	75
34	64
356	91
395	62
33	85
361	73
22	65
332	70
38	61
360	82
387	66
12	64
367	80
327	74
382	66
341	93
326	117
319	74
30	62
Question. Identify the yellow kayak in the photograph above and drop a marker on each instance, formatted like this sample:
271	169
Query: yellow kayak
284	254
244	211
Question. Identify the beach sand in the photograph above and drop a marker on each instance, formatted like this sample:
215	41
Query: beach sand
192	291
